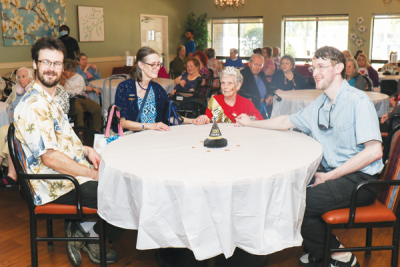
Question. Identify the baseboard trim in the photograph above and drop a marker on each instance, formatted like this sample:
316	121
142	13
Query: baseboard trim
16	65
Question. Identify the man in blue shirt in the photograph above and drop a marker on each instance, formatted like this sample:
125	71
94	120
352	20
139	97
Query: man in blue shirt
190	44
344	121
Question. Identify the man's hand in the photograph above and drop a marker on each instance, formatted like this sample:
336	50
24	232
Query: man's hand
94	66
384	118
97	91
321	177
201	120
243	120
93	156
269	100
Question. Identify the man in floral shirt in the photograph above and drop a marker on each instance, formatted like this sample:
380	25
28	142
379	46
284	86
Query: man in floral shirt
51	146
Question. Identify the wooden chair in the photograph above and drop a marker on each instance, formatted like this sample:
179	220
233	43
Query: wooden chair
384	212
50	211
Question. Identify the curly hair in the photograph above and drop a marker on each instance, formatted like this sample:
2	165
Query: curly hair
203	57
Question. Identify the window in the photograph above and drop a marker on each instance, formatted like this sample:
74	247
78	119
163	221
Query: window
304	35
385	37
245	34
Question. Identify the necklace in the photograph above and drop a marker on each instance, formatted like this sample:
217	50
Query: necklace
145	88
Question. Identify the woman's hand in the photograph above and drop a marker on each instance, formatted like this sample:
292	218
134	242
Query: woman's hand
172	92
201	120
97	91
182	83
158	127
384	118
269	100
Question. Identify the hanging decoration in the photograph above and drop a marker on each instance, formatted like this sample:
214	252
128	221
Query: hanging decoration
357	32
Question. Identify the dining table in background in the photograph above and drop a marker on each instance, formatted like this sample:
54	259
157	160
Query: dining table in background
178	193
295	100
5	116
388	77
108	97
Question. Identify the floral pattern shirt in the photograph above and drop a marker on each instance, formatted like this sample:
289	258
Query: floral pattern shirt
41	125
215	65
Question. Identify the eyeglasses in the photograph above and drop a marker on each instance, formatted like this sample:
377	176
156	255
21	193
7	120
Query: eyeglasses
48	63
154	65
321	126
319	68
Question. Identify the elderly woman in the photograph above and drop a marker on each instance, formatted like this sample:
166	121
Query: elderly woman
24	78
286	79
366	69
347	54
75	85
213	64
178	64
355	78
143	101
269	65
202	57
234	60
275	55
187	80
229	105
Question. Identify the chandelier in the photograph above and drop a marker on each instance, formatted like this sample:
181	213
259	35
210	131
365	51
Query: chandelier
229	3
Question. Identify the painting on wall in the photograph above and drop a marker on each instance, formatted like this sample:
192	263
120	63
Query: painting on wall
25	21
91	24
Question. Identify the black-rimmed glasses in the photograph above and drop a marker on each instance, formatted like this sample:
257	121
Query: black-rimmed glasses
321	126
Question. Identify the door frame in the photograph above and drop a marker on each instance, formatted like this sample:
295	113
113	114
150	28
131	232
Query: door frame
164	38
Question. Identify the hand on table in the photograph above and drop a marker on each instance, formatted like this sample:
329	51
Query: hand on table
159	127
243	120
201	120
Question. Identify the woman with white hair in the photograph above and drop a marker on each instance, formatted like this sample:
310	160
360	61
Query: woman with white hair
229	105
355	78
233	60
347	54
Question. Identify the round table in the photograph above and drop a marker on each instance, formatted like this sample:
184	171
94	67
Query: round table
109	97
177	193
4	114
295	100
388	77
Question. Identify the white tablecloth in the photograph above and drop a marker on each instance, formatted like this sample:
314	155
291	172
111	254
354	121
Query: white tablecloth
5	117
295	100
388	77
177	193
167	84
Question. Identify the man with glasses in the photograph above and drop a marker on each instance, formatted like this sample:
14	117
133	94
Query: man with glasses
255	84
51	147
344	121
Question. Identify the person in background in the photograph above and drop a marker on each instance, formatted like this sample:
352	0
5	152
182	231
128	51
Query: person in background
187	81
355	78
214	64
178	64
276	52
190	45
257	51
233	60
269	65
255	84
347	54
89	72
286	79
366	69
163	73
25	77
357	53
152	116
204	71
344	121
391	67
75	85
70	43
229	105
393	101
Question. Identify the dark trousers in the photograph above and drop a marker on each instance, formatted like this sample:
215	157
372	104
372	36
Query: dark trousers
331	195
89	199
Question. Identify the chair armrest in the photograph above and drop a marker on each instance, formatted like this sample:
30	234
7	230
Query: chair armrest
78	191
354	194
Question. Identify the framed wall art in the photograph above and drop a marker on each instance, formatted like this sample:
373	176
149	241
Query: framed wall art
91	24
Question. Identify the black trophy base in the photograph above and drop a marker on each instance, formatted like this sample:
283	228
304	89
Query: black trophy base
215	143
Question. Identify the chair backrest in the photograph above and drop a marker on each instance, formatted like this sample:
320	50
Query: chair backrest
18	158
389	195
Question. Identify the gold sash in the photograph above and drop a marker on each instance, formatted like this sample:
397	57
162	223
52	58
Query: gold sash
217	111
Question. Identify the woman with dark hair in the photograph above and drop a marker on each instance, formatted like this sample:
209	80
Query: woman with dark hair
285	79
213	64
358	53
269	65
367	70
178	64
142	101
257	51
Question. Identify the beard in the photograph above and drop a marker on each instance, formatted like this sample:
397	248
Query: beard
47	82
